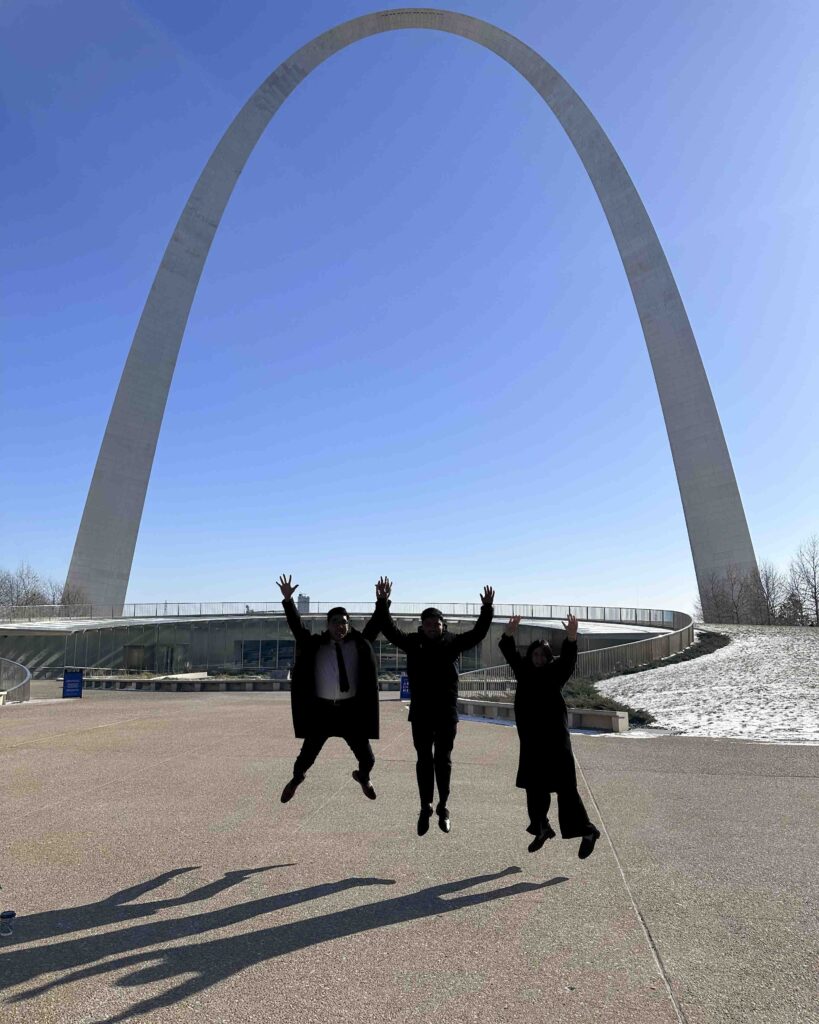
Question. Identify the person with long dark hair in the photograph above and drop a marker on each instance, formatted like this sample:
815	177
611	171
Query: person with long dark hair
546	763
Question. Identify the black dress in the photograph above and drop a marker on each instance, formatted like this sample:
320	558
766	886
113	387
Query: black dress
542	721
546	763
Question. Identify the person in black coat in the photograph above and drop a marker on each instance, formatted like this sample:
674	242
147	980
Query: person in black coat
433	679
546	762
333	689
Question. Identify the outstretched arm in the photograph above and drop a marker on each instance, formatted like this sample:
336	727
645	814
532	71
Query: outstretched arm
508	645
472	637
568	652
383	589
288	589
382	613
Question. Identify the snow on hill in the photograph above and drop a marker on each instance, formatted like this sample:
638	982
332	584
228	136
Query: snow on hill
763	686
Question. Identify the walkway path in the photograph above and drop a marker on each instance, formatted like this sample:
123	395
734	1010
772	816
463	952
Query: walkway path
157	877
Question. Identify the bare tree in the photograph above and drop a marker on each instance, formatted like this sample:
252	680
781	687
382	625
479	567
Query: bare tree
6	588
804	571
24	586
21	587
737	593
714	604
70	597
55	591
772	588
740	596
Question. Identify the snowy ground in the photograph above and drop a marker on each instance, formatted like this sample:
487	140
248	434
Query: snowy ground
763	686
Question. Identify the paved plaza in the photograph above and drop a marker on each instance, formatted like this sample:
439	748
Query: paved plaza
158	878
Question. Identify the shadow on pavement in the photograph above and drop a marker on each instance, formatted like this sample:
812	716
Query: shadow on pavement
119	908
204	964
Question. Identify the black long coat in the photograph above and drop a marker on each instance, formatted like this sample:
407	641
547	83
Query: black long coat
361	714
433	677
546	758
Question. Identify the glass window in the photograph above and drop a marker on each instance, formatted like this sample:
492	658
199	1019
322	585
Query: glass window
251	653
287	653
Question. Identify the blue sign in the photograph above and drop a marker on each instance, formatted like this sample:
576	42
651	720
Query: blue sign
72	683
405	690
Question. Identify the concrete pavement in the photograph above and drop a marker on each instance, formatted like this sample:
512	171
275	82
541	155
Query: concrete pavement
157	877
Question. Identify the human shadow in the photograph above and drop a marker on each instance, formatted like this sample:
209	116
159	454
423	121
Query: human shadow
21	965
204	964
119	907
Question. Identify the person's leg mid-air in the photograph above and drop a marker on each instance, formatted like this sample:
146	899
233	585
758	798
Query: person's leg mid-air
442	761
538	800
574	821
422	739
360	746
310	750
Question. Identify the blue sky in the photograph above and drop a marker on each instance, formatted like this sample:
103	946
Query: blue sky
413	349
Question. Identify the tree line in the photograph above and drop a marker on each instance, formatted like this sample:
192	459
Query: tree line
768	597
25	586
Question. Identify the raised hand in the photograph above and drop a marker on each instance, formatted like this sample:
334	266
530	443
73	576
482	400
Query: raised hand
383	588
488	596
286	586
512	625
570	625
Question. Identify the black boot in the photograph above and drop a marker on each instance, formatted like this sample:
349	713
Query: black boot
546	832
423	819
587	844
366	785
289	790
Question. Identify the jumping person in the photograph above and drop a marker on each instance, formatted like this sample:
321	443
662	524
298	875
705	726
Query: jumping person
433	678
334	689
546	762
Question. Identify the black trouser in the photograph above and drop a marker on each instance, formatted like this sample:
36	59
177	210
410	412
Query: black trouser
311	748
571	814
433	745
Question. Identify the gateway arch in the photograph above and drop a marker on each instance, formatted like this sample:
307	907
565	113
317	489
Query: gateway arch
717	529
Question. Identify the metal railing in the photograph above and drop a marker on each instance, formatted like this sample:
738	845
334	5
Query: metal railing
220	609
499	679
15	682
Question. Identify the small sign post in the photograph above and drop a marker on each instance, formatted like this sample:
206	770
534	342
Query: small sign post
72	683
405	690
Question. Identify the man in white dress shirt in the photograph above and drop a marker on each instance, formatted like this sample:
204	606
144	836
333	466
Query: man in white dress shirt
334	689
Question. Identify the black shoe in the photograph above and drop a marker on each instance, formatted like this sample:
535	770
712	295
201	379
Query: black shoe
366	785
587	844
289	790
444	824
423	820
547	832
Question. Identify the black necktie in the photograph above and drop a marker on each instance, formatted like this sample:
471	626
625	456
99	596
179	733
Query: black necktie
343	681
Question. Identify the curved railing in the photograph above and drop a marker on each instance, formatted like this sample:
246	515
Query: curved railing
15	682
592	664
193	609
